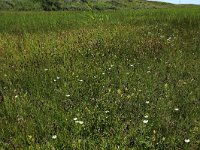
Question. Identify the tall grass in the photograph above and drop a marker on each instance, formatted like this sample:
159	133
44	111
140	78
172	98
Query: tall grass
100	80
31	22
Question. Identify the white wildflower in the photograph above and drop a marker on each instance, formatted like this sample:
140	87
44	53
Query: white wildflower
145	121
45	69
163	138
146	116
67	95
16	96
147	102
176	109
107	111
187	140
80	122
54	137
75	119
58	78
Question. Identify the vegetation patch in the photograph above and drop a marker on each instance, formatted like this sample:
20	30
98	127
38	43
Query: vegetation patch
124	79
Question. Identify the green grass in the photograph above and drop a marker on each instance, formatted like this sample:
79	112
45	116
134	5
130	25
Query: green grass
101	68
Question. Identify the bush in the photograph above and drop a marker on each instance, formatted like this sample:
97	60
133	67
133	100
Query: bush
102	6
22	5
76	6
6	5
26	5
52	5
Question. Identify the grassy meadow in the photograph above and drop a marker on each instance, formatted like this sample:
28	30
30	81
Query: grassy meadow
101	80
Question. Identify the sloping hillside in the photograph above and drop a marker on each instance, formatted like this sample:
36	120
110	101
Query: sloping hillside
49	5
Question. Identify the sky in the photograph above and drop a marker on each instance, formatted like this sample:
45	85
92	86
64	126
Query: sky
181	1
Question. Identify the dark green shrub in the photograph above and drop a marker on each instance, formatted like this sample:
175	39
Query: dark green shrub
6	5
27	5
52	4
